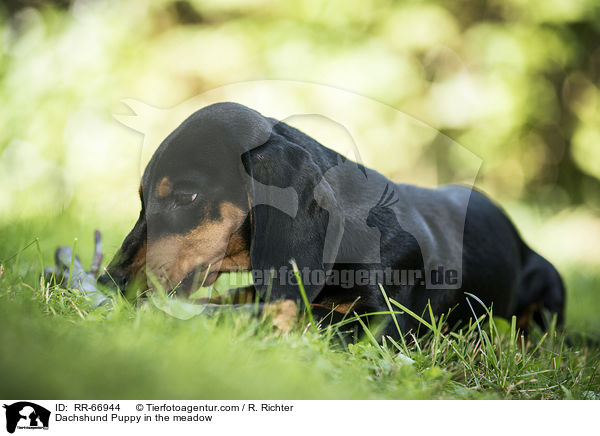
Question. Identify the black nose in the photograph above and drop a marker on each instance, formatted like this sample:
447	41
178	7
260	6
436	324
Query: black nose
114	280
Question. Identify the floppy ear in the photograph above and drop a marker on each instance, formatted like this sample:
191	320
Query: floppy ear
281	232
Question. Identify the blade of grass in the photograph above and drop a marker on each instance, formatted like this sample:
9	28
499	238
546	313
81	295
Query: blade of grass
411	313
393	315
304	297
370	336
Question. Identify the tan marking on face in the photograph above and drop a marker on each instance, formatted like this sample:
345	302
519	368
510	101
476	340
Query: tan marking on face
172	258
236	296
165	187
237	255
138	263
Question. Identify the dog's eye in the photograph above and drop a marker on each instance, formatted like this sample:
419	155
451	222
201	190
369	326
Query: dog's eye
182	199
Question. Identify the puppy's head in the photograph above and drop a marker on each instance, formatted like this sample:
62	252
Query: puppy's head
194	219
230	189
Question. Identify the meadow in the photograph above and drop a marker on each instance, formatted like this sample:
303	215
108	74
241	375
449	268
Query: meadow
54	344
500	93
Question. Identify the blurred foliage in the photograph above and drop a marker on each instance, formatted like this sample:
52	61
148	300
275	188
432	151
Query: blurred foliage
514	81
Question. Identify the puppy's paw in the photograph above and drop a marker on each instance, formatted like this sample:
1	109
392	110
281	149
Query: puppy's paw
283	314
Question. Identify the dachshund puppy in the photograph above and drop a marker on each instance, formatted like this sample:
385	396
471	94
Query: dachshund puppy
230	189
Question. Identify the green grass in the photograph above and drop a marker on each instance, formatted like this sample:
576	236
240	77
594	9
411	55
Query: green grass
53	345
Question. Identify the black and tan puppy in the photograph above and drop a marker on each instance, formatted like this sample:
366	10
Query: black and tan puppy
230	189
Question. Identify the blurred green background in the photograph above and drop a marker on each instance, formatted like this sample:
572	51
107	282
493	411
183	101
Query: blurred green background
513	81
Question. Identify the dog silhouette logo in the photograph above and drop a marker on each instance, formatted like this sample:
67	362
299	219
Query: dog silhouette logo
26	415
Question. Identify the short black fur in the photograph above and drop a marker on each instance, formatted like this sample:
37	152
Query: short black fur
235	146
